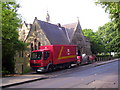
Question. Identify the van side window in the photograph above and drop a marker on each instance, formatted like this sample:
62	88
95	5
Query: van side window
46	55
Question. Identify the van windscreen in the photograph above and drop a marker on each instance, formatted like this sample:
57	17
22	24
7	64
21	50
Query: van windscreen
36	56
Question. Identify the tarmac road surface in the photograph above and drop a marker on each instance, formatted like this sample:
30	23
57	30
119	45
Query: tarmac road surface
103	76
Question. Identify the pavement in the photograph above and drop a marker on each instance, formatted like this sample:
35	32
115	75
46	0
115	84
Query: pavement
25	78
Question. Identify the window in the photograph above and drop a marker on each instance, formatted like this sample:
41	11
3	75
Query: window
21	54
36	56
46	55
35	47
39	44
35	40
23	31
31	46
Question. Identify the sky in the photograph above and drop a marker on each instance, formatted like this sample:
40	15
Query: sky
91	16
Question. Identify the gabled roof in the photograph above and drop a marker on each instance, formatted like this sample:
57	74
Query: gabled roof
54	33
25	23
29	31
70	26
70	29
69	33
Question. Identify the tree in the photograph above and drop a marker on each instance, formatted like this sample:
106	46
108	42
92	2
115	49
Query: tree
96	42
108	34
113	8
10	42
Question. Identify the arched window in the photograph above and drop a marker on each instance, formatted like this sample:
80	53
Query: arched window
31	46
35	47
35	40
39	44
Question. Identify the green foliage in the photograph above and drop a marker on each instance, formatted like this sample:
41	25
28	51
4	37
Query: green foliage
109	36
96	42
27	70
117	55
4	72
111	31
10	42
113	8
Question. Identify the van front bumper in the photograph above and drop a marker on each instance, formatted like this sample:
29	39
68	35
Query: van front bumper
41	69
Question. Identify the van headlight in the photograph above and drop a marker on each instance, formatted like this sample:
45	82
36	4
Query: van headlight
42	68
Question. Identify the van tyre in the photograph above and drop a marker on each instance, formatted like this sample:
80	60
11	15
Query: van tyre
50	68
78	64
68	66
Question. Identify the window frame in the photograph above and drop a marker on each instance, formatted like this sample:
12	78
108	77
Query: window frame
46	57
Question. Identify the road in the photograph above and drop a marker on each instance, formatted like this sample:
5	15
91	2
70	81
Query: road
103	76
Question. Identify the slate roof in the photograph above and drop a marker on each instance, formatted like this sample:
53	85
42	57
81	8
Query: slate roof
55	34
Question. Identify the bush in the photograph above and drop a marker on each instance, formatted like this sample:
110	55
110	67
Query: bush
4	72
27	70
117	55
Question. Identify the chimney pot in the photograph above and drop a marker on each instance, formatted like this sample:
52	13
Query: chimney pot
59	25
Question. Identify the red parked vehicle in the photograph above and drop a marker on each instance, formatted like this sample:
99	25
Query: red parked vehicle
92	58
51	57
79	60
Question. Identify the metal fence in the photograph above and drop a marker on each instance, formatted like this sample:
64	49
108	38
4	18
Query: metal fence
104	58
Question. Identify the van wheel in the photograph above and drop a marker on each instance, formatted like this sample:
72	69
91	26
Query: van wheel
50	68
78	64
68	66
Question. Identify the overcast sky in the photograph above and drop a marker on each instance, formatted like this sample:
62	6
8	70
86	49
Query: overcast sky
64	12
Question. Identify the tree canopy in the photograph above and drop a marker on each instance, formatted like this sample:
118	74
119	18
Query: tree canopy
10	42
109	36
96	42
111	31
